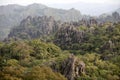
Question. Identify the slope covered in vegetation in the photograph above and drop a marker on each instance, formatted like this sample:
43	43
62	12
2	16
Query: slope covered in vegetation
37	60
41	48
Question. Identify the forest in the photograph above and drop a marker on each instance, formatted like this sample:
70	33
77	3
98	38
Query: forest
42	59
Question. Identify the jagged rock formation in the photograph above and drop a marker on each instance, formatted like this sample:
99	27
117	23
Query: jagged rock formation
79	36
35	27
114	17
71	68
68	35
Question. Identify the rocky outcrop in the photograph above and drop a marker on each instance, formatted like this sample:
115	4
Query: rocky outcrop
35	27
114	17
71	68
68	35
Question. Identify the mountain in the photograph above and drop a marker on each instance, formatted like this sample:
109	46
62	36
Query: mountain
11	15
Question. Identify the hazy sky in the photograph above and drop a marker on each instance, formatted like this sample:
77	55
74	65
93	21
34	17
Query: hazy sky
92	7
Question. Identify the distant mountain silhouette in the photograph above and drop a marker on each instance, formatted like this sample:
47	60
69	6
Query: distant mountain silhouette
11	15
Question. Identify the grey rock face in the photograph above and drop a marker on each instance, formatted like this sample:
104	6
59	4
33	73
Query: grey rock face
71	68
34	27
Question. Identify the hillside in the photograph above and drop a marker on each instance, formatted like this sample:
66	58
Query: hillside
82	36
38	60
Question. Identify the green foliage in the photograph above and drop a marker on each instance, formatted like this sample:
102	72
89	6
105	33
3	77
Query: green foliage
27	65
27	60
44	50
16	50
98	69
42	73
103	39
82	28
19	58
115	60
12	73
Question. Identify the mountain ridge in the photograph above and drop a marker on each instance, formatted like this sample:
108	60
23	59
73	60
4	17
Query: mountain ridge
12	14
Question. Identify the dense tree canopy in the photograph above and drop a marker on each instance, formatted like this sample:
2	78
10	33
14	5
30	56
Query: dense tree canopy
61	50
